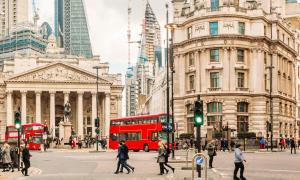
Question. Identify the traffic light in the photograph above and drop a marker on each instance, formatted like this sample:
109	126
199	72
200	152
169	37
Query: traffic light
198	113
97	122
18	120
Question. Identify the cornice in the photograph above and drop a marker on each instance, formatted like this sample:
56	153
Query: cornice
250	39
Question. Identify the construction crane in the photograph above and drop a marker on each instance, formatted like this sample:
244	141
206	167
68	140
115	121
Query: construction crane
35	10
129	33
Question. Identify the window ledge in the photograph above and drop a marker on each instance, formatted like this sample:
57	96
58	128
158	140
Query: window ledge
214	89
242	89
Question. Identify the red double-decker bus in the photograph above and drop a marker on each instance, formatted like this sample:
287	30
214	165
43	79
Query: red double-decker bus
32	133
139	132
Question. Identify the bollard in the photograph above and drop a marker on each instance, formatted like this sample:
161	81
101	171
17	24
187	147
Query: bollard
193	164
187	159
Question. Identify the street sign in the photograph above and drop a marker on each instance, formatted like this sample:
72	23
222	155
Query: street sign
199	160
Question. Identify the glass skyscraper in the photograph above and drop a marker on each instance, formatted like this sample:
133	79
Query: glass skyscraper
71	28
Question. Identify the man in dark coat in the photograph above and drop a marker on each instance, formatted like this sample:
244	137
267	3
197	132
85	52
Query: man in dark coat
127	157
122	158
26	160
293	146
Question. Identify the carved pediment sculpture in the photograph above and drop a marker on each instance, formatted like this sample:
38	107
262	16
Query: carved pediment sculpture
59	73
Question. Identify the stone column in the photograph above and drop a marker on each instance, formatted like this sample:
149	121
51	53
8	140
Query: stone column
38	107
232	75
23	108
9	108
197	77
94	112
80	114
107	115
119	99
52	112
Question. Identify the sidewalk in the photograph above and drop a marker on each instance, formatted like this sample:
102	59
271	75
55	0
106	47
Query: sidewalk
32	171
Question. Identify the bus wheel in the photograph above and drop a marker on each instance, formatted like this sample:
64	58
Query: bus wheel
146	148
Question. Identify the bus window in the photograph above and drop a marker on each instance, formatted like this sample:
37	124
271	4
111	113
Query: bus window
163	119
114	137
37	128
36	139
123	136
154	136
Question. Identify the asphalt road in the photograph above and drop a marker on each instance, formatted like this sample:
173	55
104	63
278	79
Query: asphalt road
68	165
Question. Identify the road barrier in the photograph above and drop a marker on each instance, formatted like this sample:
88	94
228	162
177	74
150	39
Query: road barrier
187	159
199	163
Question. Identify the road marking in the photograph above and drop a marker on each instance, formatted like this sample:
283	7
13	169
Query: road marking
270	170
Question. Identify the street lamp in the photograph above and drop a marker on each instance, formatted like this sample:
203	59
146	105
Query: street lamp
97	121
172	27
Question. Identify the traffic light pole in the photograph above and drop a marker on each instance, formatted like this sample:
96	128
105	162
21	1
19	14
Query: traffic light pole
168	87
199	143
19	149
97	109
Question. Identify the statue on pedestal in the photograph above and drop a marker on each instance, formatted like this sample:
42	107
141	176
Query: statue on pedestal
67	111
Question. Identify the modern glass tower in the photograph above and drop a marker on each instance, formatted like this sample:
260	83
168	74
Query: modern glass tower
71	28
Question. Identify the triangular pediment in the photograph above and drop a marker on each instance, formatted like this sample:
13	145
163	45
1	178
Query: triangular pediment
57	72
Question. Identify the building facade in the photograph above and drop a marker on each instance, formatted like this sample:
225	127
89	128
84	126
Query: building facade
224	51
12	13
71	27
40	86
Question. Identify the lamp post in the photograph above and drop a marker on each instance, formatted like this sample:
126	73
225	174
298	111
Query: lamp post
168	87
172	27
97	117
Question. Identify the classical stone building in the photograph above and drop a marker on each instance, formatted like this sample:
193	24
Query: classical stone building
40	85
223	51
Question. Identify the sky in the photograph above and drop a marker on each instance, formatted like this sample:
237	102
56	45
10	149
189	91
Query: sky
107	20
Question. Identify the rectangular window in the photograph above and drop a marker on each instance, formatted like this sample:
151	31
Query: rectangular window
242	124
266	82
278	34
241	79
214	55
191	59
190	125
213	28
214	80
265	30
240	55
241	28
265	58
189	32
283	37
192	81
215	122
214	5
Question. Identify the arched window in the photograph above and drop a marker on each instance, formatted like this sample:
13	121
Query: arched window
214	115
242	117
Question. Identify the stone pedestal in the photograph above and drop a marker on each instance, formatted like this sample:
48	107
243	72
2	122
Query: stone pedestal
65	131
61	130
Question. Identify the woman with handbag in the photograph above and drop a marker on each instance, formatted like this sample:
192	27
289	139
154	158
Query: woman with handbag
211	151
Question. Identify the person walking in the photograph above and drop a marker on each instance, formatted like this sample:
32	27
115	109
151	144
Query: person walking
122	158
127	157
293	146
211	151
238	162
167	154
26	159
226	145
6	159
192	142
161	159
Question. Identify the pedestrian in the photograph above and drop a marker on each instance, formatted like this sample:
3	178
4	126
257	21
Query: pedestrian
282	143
122	158
26	159
293	146
287	141
6	159
79	142
238	162
167	154
211	152
161	159
192	142
127	157
222	145
226	144
232	145
262	143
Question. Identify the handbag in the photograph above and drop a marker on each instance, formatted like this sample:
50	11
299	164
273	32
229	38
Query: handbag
215	153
